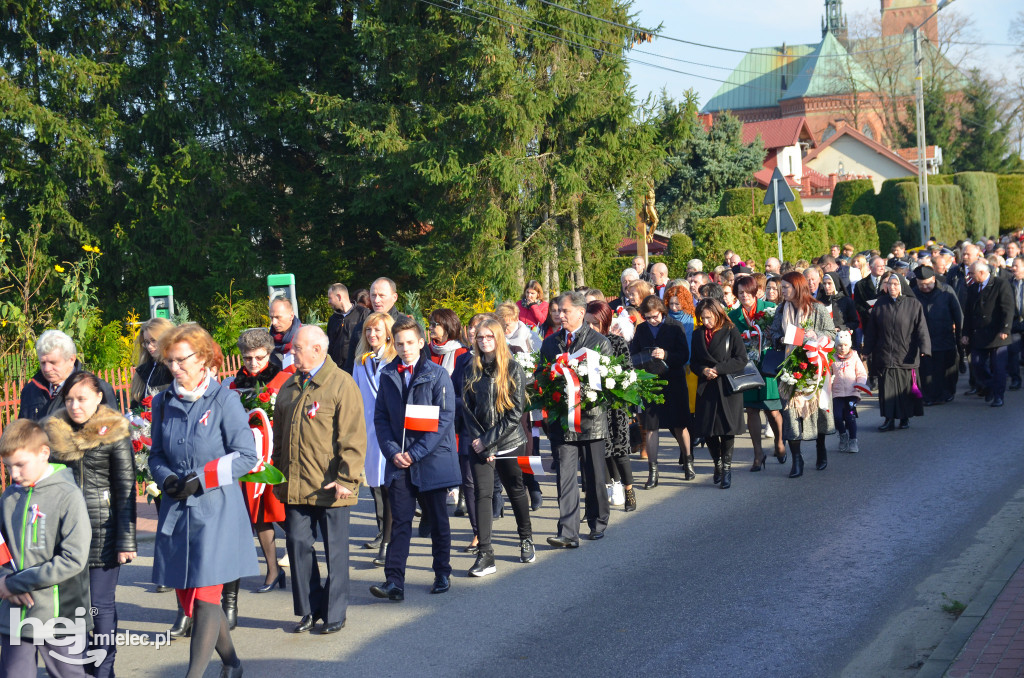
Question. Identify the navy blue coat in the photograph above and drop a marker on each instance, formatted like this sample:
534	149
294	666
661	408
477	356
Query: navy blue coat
435	461
207	538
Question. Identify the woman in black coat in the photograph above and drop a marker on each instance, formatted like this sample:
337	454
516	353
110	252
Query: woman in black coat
661	340
896	337
93	441
718	351
838	304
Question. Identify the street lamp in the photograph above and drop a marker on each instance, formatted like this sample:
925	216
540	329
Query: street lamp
922	162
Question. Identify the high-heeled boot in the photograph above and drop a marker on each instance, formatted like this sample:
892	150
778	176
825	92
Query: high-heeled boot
798	461
382	555
229	601
822	461
460	506
726	470
182	627
688	472
717	477
652	474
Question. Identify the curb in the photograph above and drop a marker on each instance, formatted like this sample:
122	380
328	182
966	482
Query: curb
956	638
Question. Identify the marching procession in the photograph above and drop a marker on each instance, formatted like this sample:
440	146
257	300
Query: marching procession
444	418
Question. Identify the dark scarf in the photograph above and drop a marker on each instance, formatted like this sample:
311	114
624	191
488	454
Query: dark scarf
244	380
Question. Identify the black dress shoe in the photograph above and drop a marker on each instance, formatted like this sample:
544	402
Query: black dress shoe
595	535
951	398
164	589
388	590
904	424
1015	385
305	624
441	584
998	402
889	425
972	391
333	627
989	397
564	542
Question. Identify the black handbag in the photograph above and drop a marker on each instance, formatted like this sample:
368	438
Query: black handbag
747	380
771	361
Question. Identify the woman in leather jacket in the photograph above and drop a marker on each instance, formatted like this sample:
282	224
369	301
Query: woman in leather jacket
492	400
93	441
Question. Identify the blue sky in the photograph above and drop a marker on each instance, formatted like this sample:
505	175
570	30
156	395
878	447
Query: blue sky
744	24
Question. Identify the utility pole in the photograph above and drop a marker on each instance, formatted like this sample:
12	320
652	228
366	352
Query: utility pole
922	160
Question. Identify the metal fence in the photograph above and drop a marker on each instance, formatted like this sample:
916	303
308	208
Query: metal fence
119	378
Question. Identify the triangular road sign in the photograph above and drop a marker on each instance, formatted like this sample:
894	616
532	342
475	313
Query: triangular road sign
778	183
785	218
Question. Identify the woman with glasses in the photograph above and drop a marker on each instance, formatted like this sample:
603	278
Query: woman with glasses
660	346
445	330
203	537
493	398
151	376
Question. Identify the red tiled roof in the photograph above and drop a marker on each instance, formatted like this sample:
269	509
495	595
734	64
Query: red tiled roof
658	246
777	133
910	154
763	176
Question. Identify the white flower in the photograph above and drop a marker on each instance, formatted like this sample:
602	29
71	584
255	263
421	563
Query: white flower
616	369
152	490
603	371
609	383
770	311
591	395
574	363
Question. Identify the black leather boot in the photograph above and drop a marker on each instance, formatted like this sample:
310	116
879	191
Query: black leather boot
229	601
822	462
381	555
887	425
182	627
688	472
460	506
798	460
717	478
652	474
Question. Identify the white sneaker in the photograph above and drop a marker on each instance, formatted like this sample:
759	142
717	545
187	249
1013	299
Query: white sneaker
283	562
453	496
854	447
618	497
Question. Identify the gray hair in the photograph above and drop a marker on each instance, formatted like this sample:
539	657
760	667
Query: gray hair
695	265
314	334
390	283
336	288
577	299
629	273
55	340
981	265
251	340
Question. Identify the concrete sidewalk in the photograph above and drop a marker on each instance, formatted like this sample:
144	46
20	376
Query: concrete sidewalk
987	640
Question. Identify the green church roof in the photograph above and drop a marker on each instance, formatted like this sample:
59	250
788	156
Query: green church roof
760	79
829	69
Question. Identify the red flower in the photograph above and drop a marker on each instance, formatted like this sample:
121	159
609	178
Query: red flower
146	441
798	375
148	416
147	401
137	445
803	366
556	396
264	397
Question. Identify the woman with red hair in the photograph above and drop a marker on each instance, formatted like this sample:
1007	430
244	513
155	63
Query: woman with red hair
803	419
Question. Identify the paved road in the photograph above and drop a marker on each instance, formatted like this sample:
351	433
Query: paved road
775	577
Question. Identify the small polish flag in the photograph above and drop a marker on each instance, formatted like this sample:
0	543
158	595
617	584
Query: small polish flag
863	389
794	336
205	419
217	473
103	430
422	417
5	553
533	465
313	410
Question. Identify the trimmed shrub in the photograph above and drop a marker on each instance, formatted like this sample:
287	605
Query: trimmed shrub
853	197
946	203
856	229
1010	188
938	179
606	278
680	250
887	235
736	203
980	197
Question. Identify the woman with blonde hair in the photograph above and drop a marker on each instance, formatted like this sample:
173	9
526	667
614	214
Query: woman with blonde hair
151	376
493	398
375	350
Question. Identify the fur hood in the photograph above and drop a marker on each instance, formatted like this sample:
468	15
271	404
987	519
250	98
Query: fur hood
68	444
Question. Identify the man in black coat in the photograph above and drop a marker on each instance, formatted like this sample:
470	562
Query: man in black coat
988	322
58	360
586	447
945	321
865	294
383	297
1017	285
342	324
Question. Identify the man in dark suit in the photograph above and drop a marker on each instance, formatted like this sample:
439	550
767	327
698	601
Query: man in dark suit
988	322
1017	285
58	360
585	447
865	293
342	324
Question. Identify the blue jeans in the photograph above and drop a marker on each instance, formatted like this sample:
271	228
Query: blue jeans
102	586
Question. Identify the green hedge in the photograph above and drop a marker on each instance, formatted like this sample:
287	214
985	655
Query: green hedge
887	235
853	197
858	229
948	218
897	203
736	203
980	197
1011	202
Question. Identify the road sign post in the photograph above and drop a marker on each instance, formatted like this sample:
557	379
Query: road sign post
777	195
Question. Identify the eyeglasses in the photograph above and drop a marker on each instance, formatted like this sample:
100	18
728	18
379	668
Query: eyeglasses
254	358
485	337
170	362
652	317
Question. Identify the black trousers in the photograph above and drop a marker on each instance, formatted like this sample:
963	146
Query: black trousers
588	456
326	599
939	375
403	495
1013	364
511	477
990	369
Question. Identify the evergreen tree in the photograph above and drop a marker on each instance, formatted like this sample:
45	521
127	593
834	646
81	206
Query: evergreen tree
984	133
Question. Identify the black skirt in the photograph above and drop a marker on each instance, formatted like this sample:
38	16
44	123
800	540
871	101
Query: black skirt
895	397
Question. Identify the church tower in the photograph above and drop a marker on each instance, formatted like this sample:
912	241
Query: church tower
900	16
834	22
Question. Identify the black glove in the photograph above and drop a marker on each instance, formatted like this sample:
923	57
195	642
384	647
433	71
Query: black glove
170	485
186	488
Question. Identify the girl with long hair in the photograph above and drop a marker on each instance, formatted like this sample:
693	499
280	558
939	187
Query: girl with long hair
151	376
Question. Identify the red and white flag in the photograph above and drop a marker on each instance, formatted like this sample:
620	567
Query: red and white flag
217	473
862	388
5	553
794	336
422	417
534	466
537	418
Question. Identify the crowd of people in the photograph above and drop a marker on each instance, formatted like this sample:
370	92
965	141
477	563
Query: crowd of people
439	416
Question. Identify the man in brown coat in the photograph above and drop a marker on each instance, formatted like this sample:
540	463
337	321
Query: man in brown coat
320	447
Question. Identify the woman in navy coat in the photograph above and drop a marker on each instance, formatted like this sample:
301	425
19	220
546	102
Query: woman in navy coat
202	445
